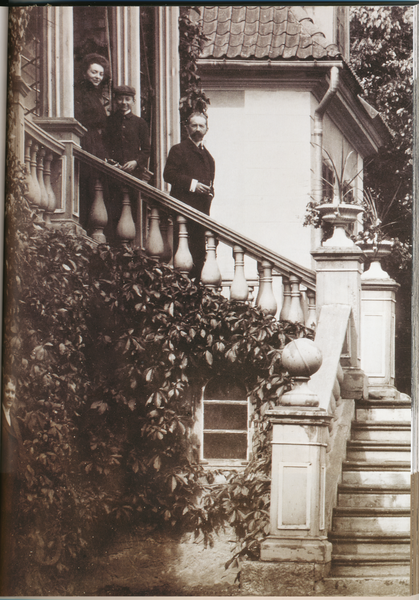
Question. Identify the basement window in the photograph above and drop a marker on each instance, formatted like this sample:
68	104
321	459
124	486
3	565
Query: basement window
224	422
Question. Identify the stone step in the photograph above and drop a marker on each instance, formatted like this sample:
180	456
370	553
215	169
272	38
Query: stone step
380	499
371	520
386	564
364	586
378	451
385	431
372	544
375	474
383	413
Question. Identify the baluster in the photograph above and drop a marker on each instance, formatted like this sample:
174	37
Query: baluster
167	249
239	289
40	174
311	316
138	240
183	258
98	217
30	193
296	314
211	275
286	302
251	297
260	288
36	200
154	245
267	300
125	230
50	192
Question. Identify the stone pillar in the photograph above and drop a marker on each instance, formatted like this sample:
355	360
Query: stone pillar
167	86
59	67
296	554
297	545
20	91
339	281
69	132
126	49
378	331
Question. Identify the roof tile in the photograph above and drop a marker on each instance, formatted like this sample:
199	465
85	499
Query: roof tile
224	13
238	14
263	32
252	14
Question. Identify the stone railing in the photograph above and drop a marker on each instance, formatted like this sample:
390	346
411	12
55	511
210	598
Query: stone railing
45	165
310	430
156	212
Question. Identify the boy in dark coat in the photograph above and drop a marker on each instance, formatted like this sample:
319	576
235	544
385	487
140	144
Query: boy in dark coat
128	144
127	137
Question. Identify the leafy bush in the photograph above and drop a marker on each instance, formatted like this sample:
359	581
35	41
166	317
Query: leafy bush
111	350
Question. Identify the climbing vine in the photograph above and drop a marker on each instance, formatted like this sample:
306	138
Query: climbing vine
191	43
111	350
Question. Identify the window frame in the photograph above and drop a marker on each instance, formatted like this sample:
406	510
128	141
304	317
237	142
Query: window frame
199	430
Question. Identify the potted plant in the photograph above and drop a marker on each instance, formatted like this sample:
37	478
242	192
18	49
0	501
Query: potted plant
339	209
372	239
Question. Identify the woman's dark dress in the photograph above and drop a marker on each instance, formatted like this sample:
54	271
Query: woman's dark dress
11	444
90	112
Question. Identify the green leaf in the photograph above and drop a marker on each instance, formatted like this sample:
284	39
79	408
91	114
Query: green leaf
157	463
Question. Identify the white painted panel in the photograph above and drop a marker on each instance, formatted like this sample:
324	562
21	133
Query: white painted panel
294	496
372	344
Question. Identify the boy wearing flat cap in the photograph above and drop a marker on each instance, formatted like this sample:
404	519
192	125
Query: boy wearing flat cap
126	136
127	142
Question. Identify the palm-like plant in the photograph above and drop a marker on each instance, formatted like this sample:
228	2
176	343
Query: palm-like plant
376	216
341	187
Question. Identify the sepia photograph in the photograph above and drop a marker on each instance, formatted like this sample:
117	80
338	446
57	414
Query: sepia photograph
207	302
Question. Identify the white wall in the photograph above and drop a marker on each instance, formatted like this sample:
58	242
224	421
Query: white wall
260	140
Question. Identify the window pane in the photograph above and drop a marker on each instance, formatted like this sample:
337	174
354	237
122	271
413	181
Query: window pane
225	445
222	388
225	416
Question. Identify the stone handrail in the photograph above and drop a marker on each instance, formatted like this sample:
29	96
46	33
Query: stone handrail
225	234
334	327
40	136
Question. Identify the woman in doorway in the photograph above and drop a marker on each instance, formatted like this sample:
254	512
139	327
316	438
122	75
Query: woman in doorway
89	110
11	445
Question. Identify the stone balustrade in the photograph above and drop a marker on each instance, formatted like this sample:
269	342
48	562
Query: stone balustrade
147	221
43	161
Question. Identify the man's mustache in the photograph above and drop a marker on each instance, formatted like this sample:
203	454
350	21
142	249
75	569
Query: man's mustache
197	135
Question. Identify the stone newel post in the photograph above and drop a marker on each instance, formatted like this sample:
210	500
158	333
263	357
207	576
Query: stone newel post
296	554
339	266
378	309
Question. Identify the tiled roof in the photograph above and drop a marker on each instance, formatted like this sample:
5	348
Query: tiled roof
263	32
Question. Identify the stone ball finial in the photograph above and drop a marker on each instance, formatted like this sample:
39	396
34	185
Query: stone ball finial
302	358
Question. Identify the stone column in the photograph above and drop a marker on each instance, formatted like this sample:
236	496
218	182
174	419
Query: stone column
69	132
126	49
296	554
167	86
378	331
297	545
338	279
59	118
59	58
20	91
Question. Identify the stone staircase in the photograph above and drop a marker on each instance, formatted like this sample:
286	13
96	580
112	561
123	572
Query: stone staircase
371	523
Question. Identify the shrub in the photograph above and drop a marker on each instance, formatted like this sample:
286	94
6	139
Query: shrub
111	350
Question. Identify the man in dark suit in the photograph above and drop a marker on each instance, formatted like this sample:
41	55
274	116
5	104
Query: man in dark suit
190	170
127	140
